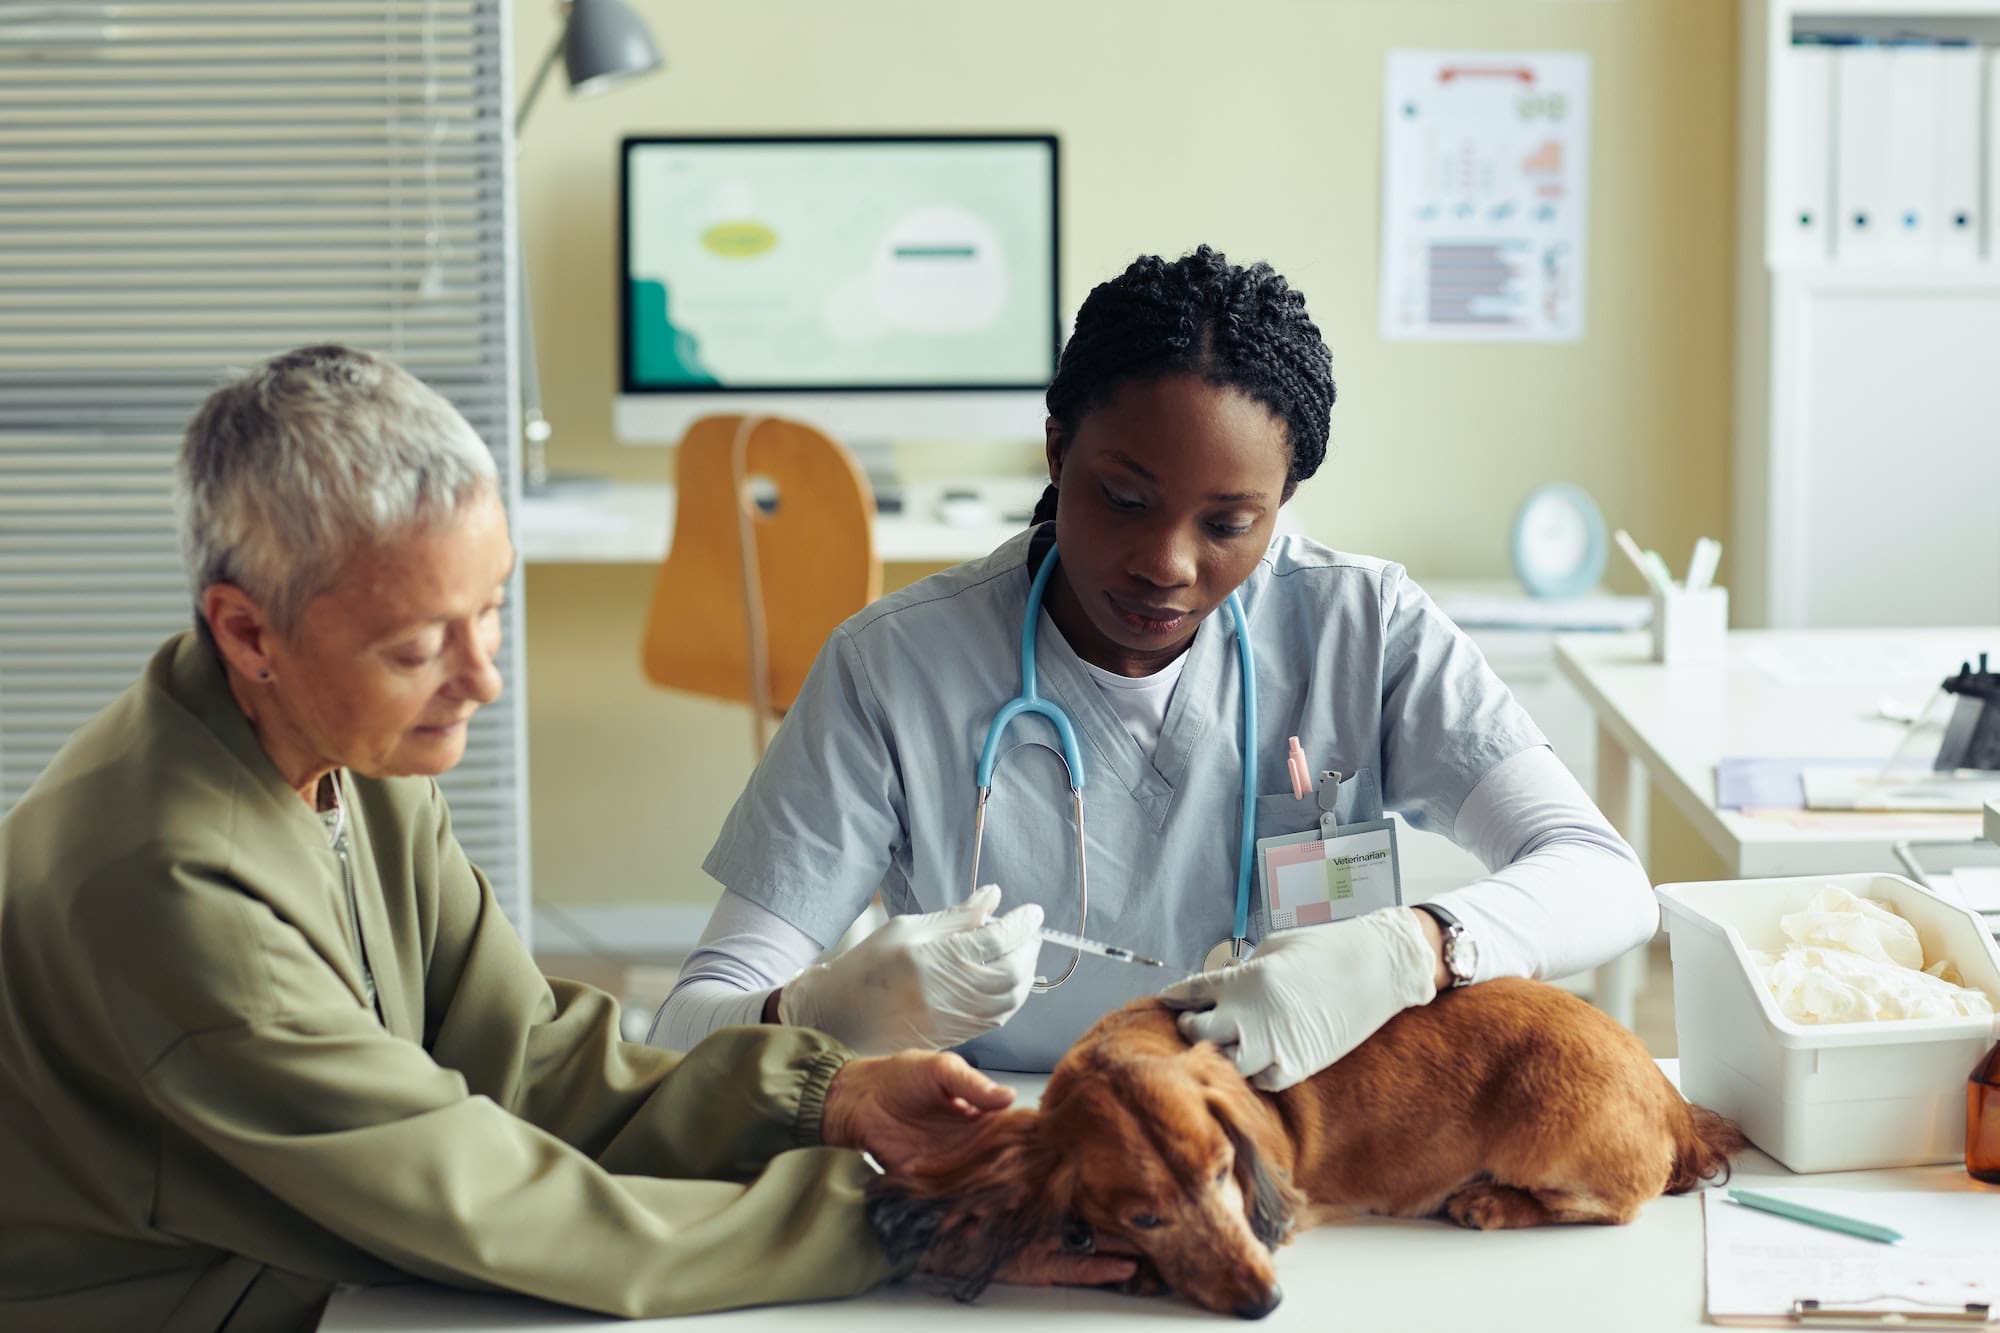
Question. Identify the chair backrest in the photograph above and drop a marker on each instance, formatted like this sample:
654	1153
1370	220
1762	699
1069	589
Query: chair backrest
815	556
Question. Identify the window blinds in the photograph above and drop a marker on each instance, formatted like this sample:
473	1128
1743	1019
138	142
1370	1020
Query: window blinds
186	187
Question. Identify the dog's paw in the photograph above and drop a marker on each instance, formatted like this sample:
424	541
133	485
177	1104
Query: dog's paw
1145	1281
1489	1207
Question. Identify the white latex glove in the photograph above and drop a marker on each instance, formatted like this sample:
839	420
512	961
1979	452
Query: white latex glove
1309	996
927	981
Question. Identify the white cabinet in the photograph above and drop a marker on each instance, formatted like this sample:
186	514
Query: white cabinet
1868	315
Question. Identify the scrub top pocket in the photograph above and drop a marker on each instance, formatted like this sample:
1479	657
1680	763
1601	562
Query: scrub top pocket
1360	799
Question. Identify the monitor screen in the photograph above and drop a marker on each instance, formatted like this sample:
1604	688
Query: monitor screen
908	282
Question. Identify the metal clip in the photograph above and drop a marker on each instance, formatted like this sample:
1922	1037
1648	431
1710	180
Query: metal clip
1328	794
1811	1314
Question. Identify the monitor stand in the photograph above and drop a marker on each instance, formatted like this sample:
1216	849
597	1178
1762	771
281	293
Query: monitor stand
954	502
878	463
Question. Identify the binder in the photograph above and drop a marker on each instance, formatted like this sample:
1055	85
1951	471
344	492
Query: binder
1957	208
1993	154
1909	230
1802	158
1861	98
1766	1270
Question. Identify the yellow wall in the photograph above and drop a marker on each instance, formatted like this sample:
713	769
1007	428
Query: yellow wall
1254	126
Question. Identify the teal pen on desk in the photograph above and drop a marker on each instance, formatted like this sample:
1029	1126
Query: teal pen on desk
1798	1212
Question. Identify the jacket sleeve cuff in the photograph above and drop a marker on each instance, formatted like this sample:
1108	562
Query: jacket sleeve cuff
808	1125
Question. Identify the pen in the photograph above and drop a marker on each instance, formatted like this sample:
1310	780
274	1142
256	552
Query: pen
1816	1217
1648	572
1662	579
1097	947
1302	778
1701	567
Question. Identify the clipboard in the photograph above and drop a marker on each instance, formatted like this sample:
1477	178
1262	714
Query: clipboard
1766	1271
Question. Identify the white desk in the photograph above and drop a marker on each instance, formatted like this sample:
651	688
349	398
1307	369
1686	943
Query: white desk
1365	1275
1778	693
631	523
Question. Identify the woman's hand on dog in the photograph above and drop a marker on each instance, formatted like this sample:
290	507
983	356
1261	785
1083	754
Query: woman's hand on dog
901	1108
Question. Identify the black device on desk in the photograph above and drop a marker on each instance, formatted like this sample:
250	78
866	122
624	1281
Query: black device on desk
1972	736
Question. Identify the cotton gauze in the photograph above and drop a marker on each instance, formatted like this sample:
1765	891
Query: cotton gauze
1854	960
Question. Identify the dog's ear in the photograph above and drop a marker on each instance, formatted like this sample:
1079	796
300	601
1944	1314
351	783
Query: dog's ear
965	1214
1272	1204
1263	1156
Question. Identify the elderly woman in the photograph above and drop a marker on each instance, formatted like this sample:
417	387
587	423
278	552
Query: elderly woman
262	1026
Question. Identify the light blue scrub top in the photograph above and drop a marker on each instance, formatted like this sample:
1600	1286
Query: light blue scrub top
869	781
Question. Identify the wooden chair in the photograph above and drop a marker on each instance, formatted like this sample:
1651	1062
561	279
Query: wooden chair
811	561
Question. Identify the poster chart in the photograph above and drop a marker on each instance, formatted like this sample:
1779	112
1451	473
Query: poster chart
1485	195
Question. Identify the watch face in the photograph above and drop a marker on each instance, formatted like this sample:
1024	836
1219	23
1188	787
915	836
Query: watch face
1461	957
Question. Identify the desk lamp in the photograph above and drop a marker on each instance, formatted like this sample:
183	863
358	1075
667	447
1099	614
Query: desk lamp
601	42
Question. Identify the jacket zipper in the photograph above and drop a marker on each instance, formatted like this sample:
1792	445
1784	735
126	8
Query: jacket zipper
354	920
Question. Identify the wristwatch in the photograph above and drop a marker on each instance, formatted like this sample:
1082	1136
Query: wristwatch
1461	951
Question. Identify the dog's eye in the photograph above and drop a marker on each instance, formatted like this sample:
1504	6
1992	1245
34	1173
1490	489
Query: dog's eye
1222	1173
1145	1221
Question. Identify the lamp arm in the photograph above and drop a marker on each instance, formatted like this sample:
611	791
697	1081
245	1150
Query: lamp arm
541	76
535	430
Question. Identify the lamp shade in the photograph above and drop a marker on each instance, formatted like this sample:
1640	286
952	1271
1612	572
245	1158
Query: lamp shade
606	42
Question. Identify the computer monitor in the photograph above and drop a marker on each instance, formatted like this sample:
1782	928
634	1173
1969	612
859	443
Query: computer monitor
884	288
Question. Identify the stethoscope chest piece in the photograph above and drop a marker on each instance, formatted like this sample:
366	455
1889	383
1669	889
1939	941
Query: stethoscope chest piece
1228	953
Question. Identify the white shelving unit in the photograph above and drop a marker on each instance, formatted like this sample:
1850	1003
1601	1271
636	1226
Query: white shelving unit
1867	386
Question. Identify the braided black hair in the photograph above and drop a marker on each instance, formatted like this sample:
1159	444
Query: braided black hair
1239	328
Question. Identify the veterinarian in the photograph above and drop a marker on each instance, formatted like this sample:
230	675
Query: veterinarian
1189	404
263	1027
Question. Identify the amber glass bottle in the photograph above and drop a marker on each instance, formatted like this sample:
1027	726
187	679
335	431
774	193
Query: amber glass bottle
1982	1119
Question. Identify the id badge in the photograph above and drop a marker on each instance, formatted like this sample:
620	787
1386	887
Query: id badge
1306	879
1331	872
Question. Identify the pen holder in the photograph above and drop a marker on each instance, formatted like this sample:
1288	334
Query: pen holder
1690	628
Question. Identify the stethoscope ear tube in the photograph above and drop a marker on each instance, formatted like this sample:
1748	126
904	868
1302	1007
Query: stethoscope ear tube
1082	875
1029	700
1246	854
1082	900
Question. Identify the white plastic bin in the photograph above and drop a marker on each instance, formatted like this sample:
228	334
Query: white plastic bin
1832	1097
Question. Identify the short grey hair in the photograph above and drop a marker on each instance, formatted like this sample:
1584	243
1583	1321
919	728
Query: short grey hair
316	454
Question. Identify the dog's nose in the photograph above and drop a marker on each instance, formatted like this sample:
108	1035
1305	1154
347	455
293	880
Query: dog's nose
1258	1306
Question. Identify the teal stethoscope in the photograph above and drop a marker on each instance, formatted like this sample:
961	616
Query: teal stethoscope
1234	948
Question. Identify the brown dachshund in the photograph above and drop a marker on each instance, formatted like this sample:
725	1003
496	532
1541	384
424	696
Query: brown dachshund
1506	1104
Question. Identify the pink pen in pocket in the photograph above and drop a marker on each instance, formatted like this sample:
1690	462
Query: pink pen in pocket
1295	760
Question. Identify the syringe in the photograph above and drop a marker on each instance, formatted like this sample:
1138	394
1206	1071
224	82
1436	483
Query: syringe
1097	947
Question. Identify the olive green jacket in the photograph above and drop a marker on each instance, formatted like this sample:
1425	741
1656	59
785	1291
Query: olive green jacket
204	1124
